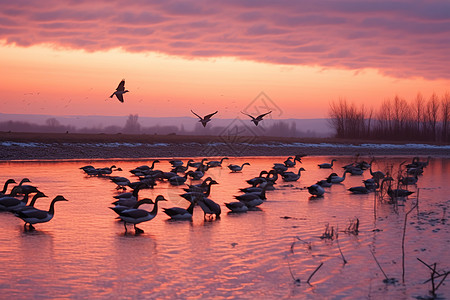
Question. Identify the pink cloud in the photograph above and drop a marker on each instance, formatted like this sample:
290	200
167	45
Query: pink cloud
400	38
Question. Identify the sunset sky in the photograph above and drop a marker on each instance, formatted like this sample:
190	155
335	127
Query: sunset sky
67	57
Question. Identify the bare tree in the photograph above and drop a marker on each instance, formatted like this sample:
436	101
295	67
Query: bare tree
432	115
445	120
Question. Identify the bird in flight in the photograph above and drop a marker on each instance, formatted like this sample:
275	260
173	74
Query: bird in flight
120	91
206	118
258	118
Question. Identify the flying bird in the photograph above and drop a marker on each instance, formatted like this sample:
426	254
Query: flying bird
120	91
258	118
205	119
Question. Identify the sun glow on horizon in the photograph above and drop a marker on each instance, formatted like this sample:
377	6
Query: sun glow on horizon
45	79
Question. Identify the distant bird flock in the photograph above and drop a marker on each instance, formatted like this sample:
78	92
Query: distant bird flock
128	206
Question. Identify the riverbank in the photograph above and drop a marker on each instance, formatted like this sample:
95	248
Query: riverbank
34	146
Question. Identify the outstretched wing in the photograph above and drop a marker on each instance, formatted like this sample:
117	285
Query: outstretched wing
120	97
262	115
207	117
196	115
121	86
248	115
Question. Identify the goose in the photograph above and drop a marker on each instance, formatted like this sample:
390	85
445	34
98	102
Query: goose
121	182
193	164
377	175
251	196
416	163
195	175
201	187
279	168
9	203
325	182
136	215
120	90
336	179
291	176
5	186
209	207
121	207
258	180
129	199
216	163
31	205
179	163
409	180
371	184
178	180
179	213
316	190
192	196
291	163
35	216
258	118
205	119
396	193
359	190
354	170
236	168
327	165
237	206
144	169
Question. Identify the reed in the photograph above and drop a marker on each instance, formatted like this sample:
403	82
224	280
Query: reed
404	234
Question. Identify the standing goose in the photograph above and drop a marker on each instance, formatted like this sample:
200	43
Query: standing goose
5	187
205	119
236	168
258	118
120	90
137	215
209	207
327	165
38	216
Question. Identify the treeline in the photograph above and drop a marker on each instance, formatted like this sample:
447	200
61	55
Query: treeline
421	119
132	126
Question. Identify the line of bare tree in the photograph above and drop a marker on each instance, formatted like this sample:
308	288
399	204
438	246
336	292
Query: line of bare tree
396	119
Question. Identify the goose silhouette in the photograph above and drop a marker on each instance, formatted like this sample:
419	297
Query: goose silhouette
258	118
206	118
120	91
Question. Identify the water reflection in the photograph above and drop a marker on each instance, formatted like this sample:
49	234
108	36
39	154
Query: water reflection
83	251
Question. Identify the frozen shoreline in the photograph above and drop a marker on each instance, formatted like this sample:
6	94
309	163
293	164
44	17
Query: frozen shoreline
10	150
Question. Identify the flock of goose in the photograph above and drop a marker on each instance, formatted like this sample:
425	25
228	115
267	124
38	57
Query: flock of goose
127	204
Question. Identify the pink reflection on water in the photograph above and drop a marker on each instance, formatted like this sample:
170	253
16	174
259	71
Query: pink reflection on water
83	251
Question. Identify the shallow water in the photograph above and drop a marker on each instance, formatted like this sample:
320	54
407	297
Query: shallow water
84	253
